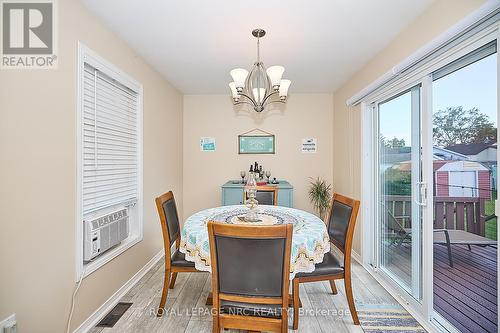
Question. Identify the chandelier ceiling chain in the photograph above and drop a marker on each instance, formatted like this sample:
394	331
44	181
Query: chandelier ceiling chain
261	86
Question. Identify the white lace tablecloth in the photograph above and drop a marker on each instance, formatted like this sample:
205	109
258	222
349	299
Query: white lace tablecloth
309	243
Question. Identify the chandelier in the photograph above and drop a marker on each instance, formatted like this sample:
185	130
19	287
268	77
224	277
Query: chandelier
260	87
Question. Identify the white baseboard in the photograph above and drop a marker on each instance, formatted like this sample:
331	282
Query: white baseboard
94	318
355	255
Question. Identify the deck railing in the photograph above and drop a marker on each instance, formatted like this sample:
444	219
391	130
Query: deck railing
449	212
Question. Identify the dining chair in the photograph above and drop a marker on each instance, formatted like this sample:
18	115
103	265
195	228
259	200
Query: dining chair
174	262
340	222
250	276
266	195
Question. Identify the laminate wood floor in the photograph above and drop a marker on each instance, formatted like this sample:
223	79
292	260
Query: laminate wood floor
186	310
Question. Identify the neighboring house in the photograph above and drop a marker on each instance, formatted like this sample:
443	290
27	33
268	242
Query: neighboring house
479	152
393	156
390	157
448	155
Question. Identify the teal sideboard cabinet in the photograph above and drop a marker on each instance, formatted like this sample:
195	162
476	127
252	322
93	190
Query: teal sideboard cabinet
232	194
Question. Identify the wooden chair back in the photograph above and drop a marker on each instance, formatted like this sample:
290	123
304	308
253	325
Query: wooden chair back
266	195
250	264
169	219
341	220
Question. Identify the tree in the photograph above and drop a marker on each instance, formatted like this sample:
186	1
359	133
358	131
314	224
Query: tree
454	125
392	143
397	182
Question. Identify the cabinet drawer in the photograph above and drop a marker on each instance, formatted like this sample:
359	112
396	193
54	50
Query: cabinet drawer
232	196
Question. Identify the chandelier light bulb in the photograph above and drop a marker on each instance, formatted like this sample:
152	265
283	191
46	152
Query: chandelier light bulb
283	91
275	73
234	92
239	76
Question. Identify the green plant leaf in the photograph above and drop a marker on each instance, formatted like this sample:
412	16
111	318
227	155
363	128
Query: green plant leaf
320	193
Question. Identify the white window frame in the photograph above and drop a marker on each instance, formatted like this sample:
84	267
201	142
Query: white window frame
422	75
86	55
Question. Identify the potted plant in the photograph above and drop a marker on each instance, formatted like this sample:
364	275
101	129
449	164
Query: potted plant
320	194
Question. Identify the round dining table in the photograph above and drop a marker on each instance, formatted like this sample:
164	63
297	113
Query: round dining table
310	239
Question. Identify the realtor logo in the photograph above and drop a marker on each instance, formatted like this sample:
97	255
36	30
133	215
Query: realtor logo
28	34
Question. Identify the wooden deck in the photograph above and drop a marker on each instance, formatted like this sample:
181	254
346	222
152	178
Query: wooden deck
465	295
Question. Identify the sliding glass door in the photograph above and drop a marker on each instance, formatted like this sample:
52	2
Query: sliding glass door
465	189
435	181
399	179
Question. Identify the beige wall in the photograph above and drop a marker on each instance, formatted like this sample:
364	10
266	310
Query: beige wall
38	178
305	115
347	121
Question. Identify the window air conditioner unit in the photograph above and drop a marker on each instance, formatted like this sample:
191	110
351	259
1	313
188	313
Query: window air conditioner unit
104	232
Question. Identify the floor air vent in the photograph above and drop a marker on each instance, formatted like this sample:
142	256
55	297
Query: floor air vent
114	315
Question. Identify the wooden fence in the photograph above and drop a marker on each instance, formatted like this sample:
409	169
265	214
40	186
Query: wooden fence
449	212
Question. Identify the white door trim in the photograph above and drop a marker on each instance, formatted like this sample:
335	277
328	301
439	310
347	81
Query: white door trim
497	209
428	209
367	190
416	176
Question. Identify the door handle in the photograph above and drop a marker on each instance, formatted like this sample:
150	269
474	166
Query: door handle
421	192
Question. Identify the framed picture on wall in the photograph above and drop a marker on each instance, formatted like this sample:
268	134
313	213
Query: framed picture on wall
207	144
263	143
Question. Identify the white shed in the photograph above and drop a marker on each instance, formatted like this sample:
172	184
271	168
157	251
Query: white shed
463	179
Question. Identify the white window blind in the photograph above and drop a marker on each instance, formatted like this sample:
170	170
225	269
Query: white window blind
110	142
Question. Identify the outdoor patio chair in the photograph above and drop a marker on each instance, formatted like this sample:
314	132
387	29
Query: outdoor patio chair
445	237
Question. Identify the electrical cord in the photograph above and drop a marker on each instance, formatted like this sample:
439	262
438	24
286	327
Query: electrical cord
463	186
73	298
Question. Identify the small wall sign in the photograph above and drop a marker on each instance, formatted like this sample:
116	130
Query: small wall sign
256	143
207	144
309	146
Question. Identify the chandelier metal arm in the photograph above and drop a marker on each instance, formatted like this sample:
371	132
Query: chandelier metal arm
277	101
248	80
242	102
249	98
269	95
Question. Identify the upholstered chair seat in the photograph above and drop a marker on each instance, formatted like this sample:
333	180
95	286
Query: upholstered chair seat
179	259
330	265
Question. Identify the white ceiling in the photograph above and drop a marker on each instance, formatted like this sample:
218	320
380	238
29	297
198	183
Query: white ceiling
195	44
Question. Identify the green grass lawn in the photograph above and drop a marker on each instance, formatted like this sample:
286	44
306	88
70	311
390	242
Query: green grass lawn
491	225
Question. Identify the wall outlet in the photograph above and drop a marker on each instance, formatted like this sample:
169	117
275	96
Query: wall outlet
9	324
